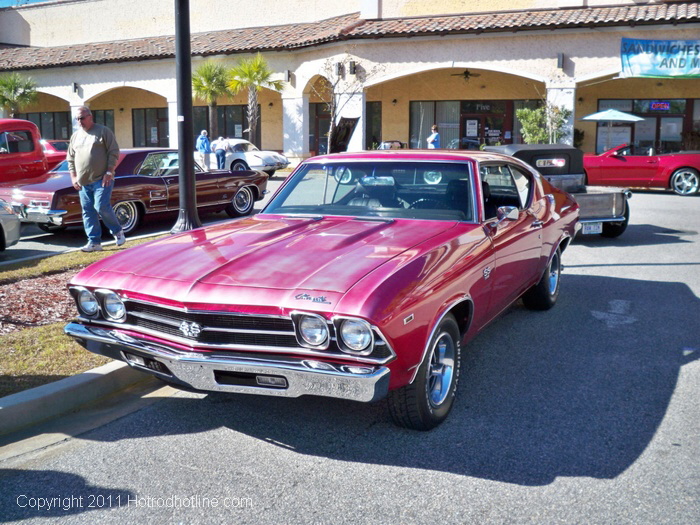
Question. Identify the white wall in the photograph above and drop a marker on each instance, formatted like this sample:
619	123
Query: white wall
73	22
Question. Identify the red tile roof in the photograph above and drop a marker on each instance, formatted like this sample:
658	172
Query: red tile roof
347	27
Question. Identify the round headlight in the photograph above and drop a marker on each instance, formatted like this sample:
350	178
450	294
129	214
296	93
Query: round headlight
87	303
356	334
313	330
113	306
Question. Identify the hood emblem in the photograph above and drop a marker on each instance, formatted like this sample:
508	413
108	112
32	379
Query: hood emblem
306	297
190	328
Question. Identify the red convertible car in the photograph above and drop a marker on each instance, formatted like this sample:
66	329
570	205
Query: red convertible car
361	279
625	166
146	184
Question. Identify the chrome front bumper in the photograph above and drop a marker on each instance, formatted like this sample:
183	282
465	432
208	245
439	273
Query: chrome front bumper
218	372
38	215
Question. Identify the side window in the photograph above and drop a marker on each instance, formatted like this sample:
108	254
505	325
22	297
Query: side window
523	185
507	186
16	142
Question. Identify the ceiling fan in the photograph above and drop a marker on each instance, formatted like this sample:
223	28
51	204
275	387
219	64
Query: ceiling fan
466	75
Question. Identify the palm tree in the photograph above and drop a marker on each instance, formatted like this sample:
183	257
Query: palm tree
209	82
253	74
16	92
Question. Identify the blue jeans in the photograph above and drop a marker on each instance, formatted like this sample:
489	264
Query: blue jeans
220	158
95	201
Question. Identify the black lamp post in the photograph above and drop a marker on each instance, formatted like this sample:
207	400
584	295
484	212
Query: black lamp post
188	218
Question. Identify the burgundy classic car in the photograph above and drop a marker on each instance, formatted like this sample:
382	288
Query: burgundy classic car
146	184
626	165
361	279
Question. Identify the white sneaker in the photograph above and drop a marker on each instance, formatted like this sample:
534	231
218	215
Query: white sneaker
119	237
89	247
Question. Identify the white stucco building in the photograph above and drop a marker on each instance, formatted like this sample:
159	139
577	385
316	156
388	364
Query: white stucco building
406	64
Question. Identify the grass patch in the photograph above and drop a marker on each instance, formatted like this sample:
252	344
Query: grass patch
40	355
60	263
35	356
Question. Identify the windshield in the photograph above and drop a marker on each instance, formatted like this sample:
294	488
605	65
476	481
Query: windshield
393	190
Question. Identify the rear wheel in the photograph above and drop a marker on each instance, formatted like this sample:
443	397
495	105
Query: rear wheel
685	181
129	215
238	165
52	228
426	402
615	229
242	203
544	294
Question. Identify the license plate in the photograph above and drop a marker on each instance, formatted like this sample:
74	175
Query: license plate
591	228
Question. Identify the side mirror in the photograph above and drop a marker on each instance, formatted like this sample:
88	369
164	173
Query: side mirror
510	213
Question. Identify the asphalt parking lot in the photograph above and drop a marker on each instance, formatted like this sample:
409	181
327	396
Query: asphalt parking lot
587	413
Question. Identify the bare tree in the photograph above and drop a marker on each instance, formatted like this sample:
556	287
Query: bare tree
341	77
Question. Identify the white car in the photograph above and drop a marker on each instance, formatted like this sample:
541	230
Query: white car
9	226
246	156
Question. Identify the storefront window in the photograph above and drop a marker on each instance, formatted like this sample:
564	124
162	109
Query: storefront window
373	125
422	117
51	124
659	132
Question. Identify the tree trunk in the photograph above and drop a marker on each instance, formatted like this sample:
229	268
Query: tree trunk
252	114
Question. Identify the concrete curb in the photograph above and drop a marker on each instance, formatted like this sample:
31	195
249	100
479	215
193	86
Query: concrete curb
35	405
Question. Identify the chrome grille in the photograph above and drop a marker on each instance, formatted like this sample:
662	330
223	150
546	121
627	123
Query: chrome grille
231	330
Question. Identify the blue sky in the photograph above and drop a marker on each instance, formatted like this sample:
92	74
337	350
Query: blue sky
11	3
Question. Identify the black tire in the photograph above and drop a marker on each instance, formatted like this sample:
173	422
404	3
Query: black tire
52	228
426	402
685	181
238	165
615	229
544	294
241	204
129	215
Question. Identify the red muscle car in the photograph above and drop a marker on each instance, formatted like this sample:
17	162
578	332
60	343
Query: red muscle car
362	278
146	183
55	151
626	166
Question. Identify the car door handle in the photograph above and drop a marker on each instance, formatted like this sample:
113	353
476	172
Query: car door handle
537	224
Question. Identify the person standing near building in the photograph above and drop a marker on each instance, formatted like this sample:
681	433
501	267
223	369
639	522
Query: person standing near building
219	147
434	139
92	155
204	148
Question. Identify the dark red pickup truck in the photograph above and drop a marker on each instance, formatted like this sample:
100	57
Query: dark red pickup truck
21	154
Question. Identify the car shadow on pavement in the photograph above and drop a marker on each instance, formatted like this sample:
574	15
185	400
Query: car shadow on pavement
639	235
579	390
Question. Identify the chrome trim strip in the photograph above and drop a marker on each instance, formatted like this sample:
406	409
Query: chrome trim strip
365	384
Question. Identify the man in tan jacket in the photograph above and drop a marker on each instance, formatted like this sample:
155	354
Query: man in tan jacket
93	153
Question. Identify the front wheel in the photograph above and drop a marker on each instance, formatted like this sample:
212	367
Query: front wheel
129	215
241	204
426	402
544	294
685	181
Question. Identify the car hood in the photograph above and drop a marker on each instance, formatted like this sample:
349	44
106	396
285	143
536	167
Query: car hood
327	255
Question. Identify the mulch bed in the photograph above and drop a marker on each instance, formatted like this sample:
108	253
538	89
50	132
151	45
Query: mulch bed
35	302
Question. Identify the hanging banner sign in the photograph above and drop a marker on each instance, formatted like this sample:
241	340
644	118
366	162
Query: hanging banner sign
660	58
